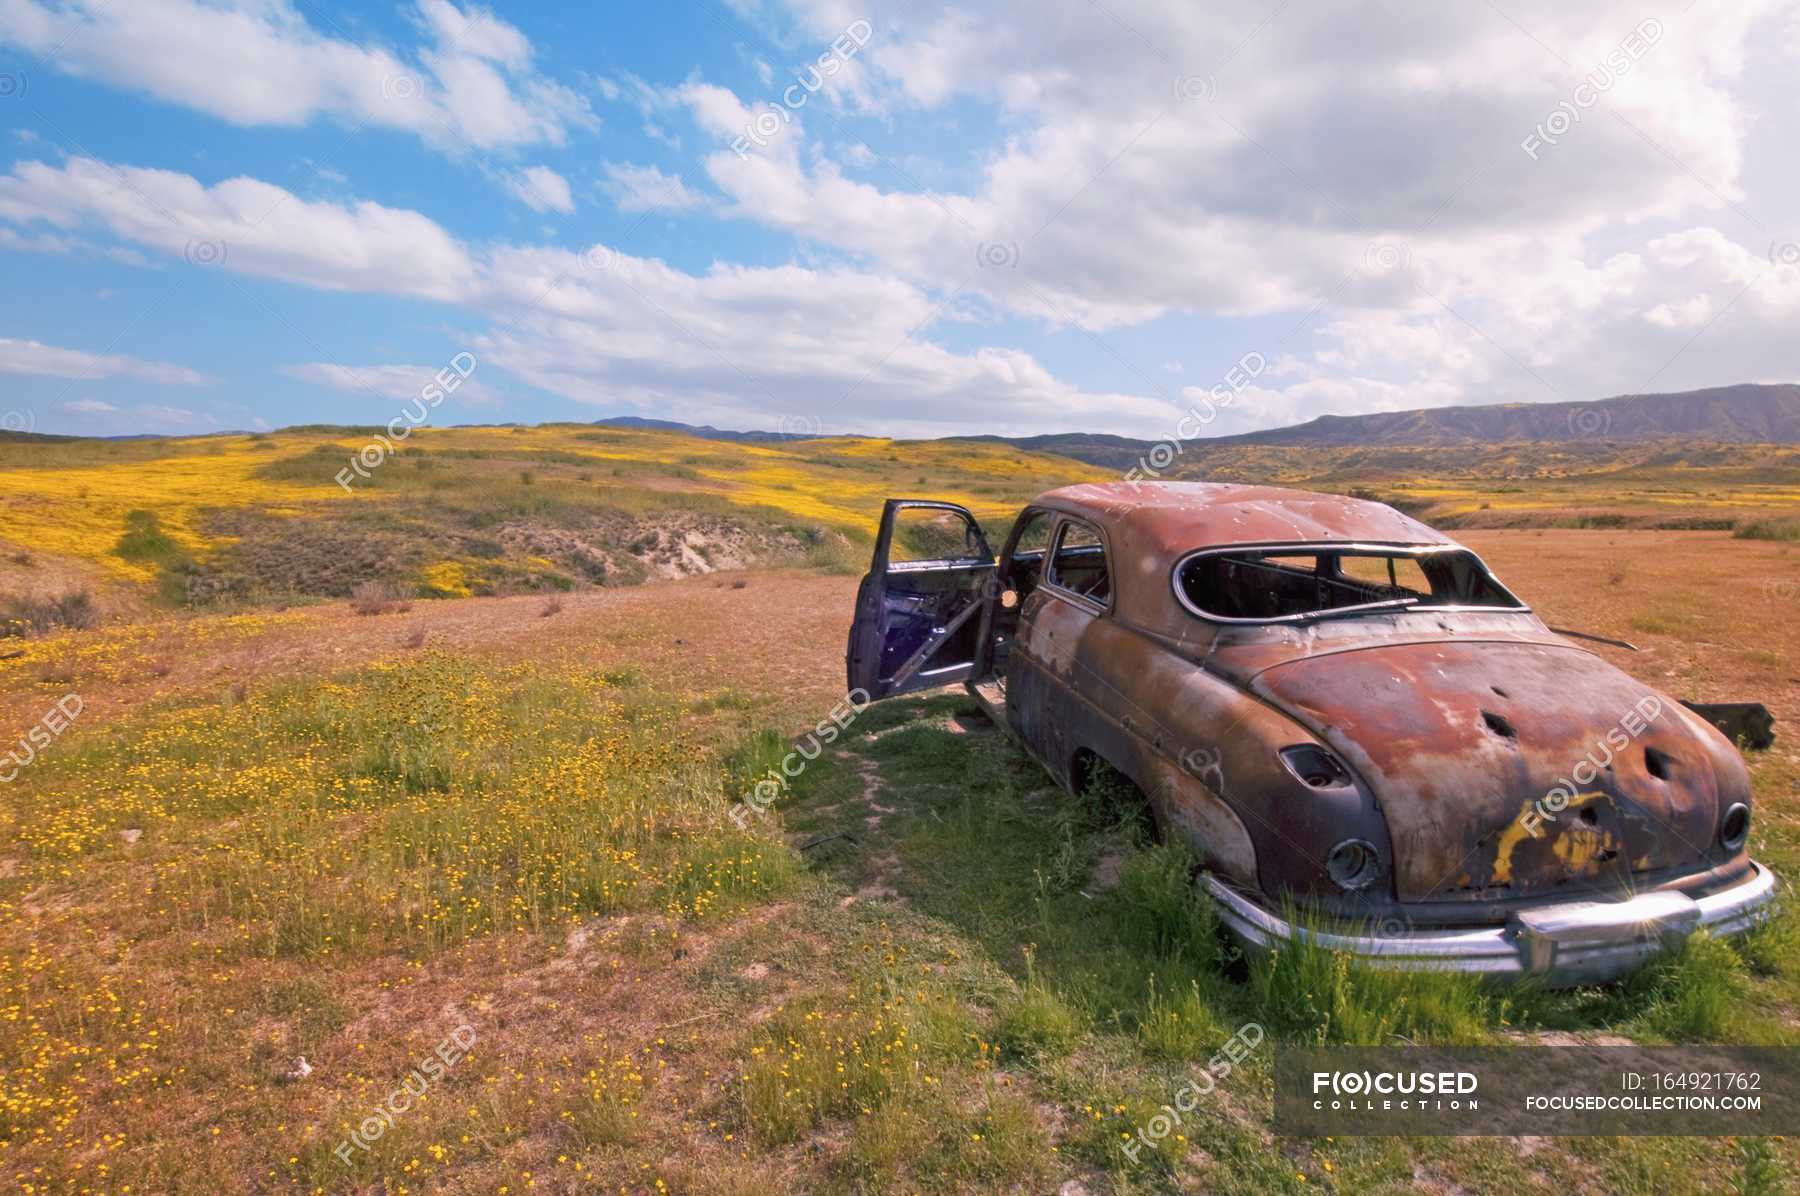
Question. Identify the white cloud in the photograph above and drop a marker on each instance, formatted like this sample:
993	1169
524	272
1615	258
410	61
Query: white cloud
158	416
399	382
33	358
90	407
260	62
245	224
541	189
648	189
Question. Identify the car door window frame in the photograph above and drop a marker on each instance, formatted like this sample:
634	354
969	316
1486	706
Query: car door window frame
1048	580
884	551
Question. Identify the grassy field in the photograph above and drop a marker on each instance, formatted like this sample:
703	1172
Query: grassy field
1577	483
457	896
259	520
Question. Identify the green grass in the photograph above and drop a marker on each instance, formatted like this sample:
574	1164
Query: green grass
1111	995
403	807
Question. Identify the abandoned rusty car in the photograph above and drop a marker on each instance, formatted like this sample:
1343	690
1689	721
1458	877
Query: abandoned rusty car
1341	710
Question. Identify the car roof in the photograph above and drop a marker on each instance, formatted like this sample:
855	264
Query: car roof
1169	518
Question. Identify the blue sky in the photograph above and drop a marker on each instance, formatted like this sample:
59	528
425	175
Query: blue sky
256	213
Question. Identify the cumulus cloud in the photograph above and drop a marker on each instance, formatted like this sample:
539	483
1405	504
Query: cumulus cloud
648	189
35	359
246	225
470	83
1345	187
403	383
541	189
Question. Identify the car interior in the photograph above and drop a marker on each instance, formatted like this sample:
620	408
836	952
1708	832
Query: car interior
1079	563
938	567
1282	583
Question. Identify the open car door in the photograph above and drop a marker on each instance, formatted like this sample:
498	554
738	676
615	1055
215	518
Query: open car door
919	611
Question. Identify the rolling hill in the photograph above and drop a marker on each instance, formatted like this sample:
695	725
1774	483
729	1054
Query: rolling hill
1745	414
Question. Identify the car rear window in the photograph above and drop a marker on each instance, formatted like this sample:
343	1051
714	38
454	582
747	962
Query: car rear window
1079	563
1276	584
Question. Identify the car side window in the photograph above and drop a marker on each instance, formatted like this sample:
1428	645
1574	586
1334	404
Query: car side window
1034	536
931	534
1079	562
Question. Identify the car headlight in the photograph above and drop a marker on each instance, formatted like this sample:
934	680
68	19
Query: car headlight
1734	828
1353	864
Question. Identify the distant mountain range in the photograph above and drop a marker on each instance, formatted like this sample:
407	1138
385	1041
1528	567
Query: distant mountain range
704	431
1747	414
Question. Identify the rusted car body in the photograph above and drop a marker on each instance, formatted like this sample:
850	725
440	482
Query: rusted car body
1341	710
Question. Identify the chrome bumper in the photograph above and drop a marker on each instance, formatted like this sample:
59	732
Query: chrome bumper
1581	942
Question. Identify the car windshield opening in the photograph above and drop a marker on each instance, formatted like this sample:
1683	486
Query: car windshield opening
1320	582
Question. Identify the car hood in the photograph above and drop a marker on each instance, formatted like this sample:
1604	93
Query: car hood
1509	768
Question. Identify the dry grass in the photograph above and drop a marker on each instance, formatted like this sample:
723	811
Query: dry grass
377	598
346	847
34	614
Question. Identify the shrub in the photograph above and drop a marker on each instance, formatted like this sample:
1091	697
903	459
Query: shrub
1768	529
377	598
145	543
38	615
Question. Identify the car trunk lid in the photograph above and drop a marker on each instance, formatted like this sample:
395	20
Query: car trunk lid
1507	769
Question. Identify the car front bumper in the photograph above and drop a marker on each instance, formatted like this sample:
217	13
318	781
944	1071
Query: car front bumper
1579	942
